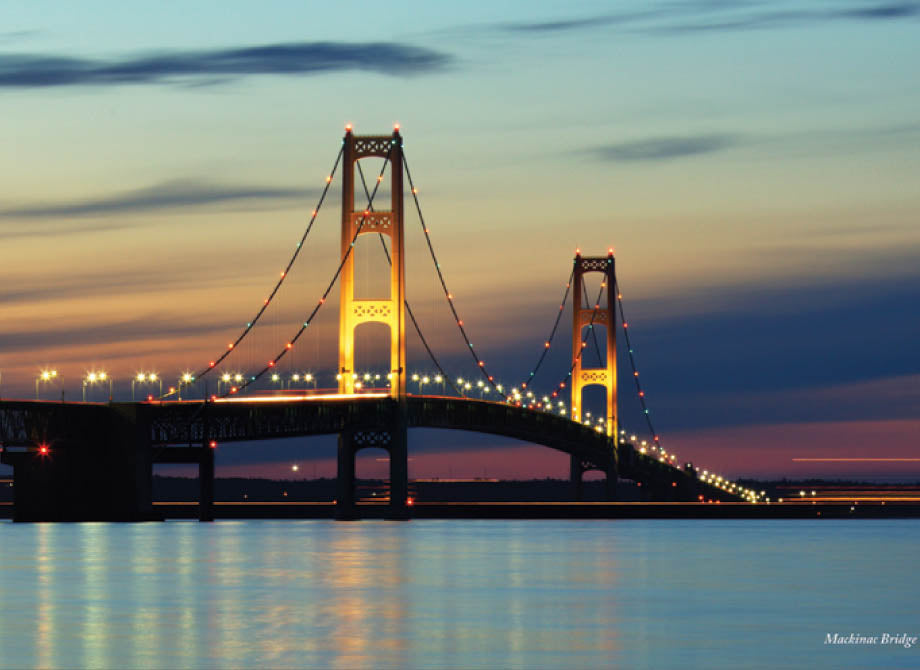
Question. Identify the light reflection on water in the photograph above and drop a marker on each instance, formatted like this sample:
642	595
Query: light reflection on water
490	594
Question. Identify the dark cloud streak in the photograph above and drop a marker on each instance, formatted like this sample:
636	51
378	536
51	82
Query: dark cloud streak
664	148
717	17
292	59
101	334
171	195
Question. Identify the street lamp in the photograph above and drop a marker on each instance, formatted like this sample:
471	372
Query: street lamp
93	378
225	378
146	378
185	380
45	376
424	381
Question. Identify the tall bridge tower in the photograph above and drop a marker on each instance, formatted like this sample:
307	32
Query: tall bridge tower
589	315
390	311
388	430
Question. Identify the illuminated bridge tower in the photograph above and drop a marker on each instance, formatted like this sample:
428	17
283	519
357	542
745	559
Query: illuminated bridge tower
390	311
387	432
584	316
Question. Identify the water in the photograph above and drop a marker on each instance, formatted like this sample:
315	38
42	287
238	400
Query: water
458	594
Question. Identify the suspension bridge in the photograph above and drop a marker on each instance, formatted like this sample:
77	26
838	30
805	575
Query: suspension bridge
84	460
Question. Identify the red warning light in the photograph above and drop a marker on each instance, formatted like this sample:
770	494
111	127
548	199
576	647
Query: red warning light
213	444
43	449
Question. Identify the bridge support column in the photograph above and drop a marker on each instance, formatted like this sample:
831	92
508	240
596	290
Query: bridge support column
610	485
576	474
206	484
577	470
390	432
345	509
399	464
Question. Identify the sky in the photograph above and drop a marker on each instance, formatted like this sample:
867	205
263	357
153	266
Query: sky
754	165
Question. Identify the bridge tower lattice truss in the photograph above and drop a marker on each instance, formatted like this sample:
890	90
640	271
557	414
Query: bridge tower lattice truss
590	315
390	311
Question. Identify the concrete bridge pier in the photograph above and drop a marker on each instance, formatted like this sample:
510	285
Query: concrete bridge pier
206	484
93	464
577	469
576	472
345	509
393	437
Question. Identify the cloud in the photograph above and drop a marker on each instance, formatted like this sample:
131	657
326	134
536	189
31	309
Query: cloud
291	59
170	195
707	15
664	148
565	25
109	333
16	35
131	281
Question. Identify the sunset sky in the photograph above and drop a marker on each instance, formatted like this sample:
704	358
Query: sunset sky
754	164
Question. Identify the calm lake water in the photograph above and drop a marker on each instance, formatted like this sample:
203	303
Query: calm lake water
458	594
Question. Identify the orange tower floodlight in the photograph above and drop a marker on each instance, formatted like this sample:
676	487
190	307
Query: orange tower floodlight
589	315
391	311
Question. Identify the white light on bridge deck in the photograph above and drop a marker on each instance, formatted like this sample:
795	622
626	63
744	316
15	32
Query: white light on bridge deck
289	398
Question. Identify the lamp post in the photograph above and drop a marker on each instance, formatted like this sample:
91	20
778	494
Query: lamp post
185	380
45	376
146	378
93	378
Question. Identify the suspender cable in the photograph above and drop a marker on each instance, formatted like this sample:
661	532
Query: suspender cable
418	329
290	344
251	323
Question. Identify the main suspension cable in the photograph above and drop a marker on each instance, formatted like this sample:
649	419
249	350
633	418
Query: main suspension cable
584	340
632	362
418	329
290	345
450	298
251	323
549	340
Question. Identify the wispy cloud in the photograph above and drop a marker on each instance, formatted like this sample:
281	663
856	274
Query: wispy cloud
291	59
113	332
664	148
171	275
16	35
171	195
708	15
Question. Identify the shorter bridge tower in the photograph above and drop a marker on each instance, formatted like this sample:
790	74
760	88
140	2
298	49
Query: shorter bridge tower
589	315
